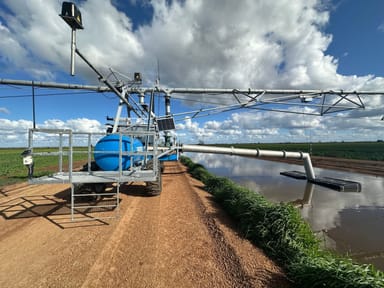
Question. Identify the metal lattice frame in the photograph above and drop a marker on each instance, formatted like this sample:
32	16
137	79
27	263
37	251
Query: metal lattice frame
69	175
320	102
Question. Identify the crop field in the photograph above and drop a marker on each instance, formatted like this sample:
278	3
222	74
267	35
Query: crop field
12	169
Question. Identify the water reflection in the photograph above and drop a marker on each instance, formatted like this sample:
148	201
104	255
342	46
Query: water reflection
306	201
349	222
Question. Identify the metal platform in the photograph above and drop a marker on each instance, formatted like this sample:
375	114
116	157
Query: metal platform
95	177
295	174
89	182
329	182
338	184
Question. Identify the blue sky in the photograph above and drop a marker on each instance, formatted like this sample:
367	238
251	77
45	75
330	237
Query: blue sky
357	28
303	44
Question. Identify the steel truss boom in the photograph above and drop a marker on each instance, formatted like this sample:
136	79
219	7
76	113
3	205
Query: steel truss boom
325	101
248	91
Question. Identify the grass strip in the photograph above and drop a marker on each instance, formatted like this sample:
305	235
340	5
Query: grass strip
282	233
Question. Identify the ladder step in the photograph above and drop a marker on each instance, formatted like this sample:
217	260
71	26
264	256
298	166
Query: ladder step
94	206
94	194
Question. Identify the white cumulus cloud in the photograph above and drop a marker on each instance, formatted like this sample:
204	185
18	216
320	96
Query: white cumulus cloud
224	44
14	133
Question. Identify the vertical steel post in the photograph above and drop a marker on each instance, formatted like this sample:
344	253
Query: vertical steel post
117	200
120	155
70	175
167	136
73	51
72	201
151	104
70	160
33	106
141	99
89	152
60	152
131	137
156	160
30	140
167	105
117	117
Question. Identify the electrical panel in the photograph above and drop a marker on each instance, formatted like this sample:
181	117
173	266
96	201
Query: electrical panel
71	14
166	124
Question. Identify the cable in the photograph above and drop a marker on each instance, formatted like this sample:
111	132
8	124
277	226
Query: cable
45	95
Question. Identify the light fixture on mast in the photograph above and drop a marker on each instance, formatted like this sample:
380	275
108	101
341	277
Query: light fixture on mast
72	16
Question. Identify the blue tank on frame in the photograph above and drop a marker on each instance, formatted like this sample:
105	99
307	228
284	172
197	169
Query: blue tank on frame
106	152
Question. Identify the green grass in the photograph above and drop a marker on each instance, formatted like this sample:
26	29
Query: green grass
13	171
350	150
281	232
11	167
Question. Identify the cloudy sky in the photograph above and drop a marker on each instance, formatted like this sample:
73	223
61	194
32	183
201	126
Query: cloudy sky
301	44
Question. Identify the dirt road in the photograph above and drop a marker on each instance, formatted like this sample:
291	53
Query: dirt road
179	239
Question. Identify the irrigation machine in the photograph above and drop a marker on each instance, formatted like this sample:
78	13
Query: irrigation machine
133	151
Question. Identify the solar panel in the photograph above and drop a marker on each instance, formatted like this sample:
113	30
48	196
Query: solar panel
166	124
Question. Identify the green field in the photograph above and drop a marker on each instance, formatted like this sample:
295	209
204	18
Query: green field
13	171
350	150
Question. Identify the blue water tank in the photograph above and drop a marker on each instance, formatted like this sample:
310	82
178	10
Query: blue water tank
106	152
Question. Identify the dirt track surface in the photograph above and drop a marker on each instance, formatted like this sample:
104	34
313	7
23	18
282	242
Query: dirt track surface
178	239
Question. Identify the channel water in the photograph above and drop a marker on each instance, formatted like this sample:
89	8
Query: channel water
350	223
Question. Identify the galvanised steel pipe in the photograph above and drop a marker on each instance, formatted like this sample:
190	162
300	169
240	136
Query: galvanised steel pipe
170	91
254	153
55	85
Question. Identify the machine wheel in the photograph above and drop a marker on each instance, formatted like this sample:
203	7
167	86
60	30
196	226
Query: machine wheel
154	187
98	188
90	188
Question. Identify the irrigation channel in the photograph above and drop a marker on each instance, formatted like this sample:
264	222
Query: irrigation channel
350	223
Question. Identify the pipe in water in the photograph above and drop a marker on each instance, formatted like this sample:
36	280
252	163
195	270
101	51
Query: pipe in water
255	153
